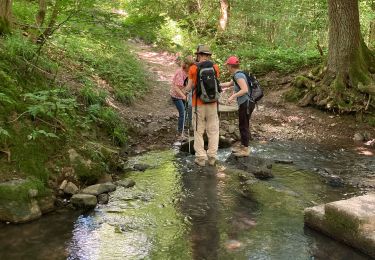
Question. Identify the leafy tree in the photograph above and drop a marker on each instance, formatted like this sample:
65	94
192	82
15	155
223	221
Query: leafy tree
346	81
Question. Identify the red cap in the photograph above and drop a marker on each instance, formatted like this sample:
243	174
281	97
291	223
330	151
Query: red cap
232	60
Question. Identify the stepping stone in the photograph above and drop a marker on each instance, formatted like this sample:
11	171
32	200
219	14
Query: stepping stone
84	201
351	221
98	189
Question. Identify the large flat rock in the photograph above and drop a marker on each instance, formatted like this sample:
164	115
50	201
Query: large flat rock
351	221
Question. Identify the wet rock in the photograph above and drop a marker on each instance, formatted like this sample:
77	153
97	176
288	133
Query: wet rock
84	201
98	189
225	142
278	161
260	168
126	183
351	221
47	204
141	167
103	198
21	209
335	181
71	188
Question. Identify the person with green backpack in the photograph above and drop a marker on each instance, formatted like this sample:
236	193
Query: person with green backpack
203	81
246	91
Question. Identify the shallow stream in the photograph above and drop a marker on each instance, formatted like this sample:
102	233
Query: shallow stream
178	211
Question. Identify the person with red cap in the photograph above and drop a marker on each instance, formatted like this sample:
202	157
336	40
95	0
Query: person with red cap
245	106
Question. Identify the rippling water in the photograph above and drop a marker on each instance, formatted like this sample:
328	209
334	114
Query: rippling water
178	211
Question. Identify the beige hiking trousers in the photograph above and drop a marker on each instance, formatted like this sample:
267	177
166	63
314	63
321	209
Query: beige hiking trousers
208	120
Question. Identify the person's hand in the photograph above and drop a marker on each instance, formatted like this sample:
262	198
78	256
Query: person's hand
230	99
184	97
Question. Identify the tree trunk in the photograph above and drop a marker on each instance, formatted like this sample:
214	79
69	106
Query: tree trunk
41	13
5	16
371	39
224	15
49	30
347	82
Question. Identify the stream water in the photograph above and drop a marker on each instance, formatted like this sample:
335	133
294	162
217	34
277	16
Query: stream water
178	211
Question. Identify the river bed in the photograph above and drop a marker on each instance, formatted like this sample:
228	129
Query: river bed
179	211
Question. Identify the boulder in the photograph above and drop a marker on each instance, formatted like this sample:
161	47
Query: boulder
47	204
84	200
17	203
70	188
351	221
141	167
63	185
19	211
98	189
126	183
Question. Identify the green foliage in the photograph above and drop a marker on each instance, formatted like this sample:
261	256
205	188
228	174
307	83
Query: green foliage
89	175
93	96
52	104
371	120
110	121
37	133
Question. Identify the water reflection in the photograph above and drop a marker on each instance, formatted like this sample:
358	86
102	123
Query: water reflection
200	205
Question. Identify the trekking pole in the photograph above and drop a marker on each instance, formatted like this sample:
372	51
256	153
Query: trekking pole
183	125
189	122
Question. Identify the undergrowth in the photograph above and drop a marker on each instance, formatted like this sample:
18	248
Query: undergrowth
54	97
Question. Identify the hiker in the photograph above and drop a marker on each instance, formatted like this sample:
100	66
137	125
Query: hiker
204	101
245	105
178	94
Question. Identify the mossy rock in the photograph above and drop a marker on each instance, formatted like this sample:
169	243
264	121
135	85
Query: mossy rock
18	201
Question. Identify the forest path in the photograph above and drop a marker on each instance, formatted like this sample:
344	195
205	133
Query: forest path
153	118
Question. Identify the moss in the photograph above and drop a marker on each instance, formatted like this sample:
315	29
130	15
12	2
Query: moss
294	94
89	174
19	190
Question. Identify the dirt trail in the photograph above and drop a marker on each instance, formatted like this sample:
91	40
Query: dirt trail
154	118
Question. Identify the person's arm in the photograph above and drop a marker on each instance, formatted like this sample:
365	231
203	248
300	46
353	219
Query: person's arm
179	91
226	85
244	89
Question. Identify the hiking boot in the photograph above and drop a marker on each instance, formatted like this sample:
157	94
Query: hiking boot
200	161
242	152
211	161
236	149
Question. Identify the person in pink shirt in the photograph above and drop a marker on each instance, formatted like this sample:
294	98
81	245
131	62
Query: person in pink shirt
178	94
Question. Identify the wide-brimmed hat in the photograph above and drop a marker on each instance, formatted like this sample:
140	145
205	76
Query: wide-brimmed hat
203	49
232	60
